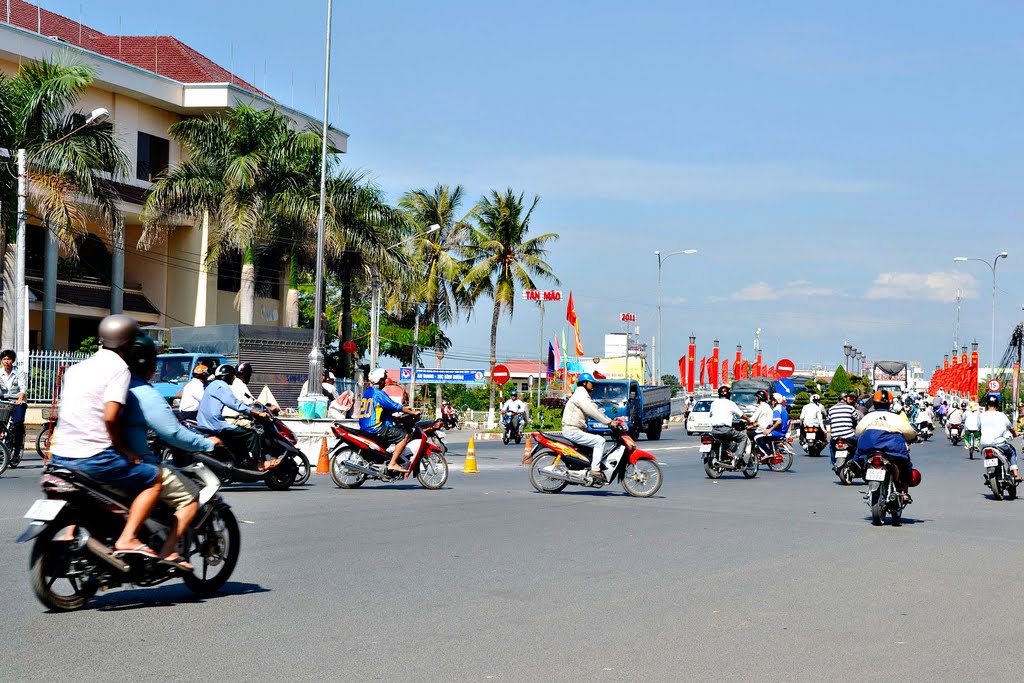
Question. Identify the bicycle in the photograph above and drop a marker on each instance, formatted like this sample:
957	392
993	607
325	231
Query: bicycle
971	439
43	439
10	452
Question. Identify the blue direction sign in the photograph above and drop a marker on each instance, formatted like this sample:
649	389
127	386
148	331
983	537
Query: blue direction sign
442	376
785	387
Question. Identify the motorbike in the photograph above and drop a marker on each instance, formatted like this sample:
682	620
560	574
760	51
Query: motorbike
450	419
883	495
277	441
558	462
11	446
779	459
814	441
514	425
846	467
718	460
76	524
956	432
924	430
358	455
998	475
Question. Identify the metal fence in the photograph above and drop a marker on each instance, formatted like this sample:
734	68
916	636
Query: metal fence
43	369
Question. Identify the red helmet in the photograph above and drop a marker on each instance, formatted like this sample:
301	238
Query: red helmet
915	477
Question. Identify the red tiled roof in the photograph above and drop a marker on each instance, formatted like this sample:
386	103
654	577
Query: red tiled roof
163	55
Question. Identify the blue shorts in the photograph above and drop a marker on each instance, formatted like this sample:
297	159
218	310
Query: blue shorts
112	468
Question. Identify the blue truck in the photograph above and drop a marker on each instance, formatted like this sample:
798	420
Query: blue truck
174	370
644	408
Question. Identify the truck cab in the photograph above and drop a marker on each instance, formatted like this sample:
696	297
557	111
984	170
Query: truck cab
644	408
174	370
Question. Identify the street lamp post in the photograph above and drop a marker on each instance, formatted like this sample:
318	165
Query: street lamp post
992	267
847	351
96	117
661	342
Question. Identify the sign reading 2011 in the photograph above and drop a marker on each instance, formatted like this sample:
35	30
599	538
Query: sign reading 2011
542	295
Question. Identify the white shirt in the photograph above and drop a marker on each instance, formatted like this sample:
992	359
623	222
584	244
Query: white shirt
762	416
995	428
12	383
514	406
241	391
925	415
191	395
724	412
87	387
812	415
972	420
956	417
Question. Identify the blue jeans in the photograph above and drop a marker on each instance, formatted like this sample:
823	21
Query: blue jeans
851	444
112	468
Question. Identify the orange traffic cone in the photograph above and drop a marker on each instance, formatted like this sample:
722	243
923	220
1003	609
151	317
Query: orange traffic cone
470	466
323	465
527	459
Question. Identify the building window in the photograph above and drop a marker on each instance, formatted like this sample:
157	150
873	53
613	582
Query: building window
229	272
154	157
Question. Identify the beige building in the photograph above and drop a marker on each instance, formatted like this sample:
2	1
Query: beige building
146	83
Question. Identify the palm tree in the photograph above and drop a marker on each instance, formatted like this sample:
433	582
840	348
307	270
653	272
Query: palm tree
442	270
243	169
66	161
502	258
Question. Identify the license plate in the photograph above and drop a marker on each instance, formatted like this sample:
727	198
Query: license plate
45	509
841	454
441	433
991	462
705	448
875	474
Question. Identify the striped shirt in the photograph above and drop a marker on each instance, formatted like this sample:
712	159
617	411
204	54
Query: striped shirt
843	419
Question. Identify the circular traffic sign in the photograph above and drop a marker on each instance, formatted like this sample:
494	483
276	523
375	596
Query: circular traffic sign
995	386
349	346
500	374
784	368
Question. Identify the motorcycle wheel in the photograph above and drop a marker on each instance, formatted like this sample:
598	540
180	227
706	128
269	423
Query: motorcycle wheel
642	479
750	471
215	546
542	482
996	484
43	442
897	514
711	471
519	439
283	476
846	476
504	438
1011	492
433	471
787	461
5	458
51	560
877	502
343	477
303	469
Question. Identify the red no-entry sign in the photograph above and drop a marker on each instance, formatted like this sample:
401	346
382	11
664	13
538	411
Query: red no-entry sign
784	368
500	374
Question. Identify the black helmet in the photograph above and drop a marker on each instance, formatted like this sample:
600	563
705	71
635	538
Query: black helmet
244	370
225	372
724	392
992	401
761	395
118	331
143	356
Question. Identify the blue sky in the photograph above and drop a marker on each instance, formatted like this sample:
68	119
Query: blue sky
828	159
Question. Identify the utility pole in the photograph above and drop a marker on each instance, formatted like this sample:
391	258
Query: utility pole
415	351
543	360
956	325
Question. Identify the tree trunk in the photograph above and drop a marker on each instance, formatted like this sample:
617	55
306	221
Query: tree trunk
439	355
494	359
348	365
117	271
247	290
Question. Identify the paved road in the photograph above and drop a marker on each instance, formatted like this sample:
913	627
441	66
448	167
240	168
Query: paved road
780	577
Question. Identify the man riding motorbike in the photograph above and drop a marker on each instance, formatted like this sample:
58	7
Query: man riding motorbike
243	442
722	415
842	422
192	393
240	388
375	410
448	415
145	410
88	437
996	432
955	417
578	408
779	427
882	431
514	411
812	415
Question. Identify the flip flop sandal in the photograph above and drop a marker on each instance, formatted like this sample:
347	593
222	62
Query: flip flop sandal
179	563
143	550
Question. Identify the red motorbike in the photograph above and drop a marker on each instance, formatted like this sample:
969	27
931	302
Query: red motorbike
358	455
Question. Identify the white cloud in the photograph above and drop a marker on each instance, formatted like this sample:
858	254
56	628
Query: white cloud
764	291
935	286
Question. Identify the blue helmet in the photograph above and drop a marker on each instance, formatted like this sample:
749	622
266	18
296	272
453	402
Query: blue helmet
514	392
585	377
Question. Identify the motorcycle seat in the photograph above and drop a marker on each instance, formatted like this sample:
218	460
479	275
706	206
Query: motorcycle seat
121	495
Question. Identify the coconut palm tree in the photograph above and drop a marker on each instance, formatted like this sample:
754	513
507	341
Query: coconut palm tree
501	258
243	167
66	162
441	268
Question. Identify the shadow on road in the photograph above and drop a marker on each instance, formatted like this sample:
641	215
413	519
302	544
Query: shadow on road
168	596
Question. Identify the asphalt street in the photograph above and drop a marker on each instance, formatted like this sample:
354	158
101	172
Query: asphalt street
777	578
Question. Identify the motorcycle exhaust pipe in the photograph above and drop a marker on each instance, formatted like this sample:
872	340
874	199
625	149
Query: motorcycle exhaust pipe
104	553
359	468
561	477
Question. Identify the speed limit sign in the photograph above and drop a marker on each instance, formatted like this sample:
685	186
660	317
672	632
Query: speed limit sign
995	386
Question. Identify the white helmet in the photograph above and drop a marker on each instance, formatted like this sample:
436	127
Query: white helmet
779	398
376	375
815	398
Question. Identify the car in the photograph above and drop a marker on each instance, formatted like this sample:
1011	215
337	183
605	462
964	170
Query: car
699	419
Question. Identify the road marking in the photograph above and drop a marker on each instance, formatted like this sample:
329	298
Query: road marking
669	448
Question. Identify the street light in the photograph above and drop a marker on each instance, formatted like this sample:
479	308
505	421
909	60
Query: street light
661	259
992	267
95	117
847	351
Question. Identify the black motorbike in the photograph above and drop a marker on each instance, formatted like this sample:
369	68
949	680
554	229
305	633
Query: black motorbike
956	433
718	460
846	467
925	430
77	523
514	426
998	475
450	420
277	442
814	441
883	495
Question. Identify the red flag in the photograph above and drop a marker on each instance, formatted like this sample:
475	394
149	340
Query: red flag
703	364
682	371
570	315
745	370
713	369
725	372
